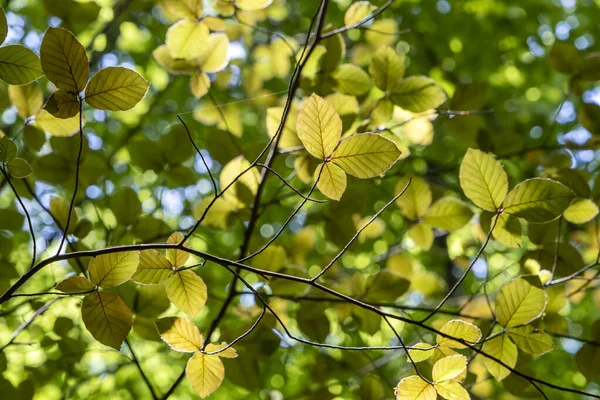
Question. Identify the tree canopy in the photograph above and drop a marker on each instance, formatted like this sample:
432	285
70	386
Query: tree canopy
279	199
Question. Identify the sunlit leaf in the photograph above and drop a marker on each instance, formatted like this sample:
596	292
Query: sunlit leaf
415	388
448	214
75	284
417	94
452	390
108	270
421	355
107	318
213	57
520	301
252	5
538	200
180	334
581	211
27	98
501	348
177	258
186	39
531	341
319	127
386	68
365	155
357	11
205	373
187	291
416	199
460	330
483	180
331	180
62	104
153	267
64	61
115	89
351	80
19	65
57	126
190	9
223	352
164	58
199	84
449	368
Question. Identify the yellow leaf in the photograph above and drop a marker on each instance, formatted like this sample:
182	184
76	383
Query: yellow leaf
331	180
520	301
213	57
28	99
531	341
357	11
177	258
452	390
365	155
460	330
115	89
231	171
64	60
415	388
351	80
417	355
180	334
382	33
483	180
319	127
386	68
57	126
190	9
186	39
60	210
112	269
19	65
153	267
62	104
252	5
229	352
107	318
449	368
416	199
176	67
75	284
581	211
199	84
448	214
219	212
205	373
538	200
502	349
187	291
289	137
422	235
417	94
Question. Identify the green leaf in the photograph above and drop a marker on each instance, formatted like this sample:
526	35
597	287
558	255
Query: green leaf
205	373
189	9
386	68
334	54
60	210
112	269
75	284
507	231
331	180
62	104
176	67
422	235
581	211
8	149
28	99
385	286
590	67
19	65
3	26
180	334
351	80
186	39
313	322
417	94
483	180
416	199
187	291
563	57
538	200
415	388
588	361
319	127
33	138
460	330
357	11
531	341
177	258
126	206
116	89
64	60
153	267
365	155
520	301
449	368
501	348
106	317
448	214
19	168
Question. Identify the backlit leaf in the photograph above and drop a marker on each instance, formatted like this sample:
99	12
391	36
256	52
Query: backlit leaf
538	200
107	318
3	26
421	355
502	349
229	352
75	284
460	330
351	80
417	94
331	180
531	341
64	61
27	98
19	168
416	199
57	126
581	211
19	65
205	373
483	180
415	388
448	214
108	270
520	301
187	291
386	68
213	57
449	368
186	39
153	267
115	89
252	5
199	84
452	390
176	67
180	334
62	104
319	127
177	258
365	155
357	11
190	9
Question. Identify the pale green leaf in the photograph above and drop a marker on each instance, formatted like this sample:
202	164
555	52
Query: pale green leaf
252	5
416	199
64	61
115	89
452	390
483	180
19	65
507	231
449	368
153	267
357	11
176	67
538	200
205	373
199	84
319	127
520	301
531	341
417	355
108	270
177	258
62	104
190	9
331	180
417	94
107	318
460	330
75	284
187	291
581	211
289	137
415	388
180	334
386	68
448	214
213	57
19	168
60	210
28	99
8	149
365	155
422	235
186	39
502	349
351	80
